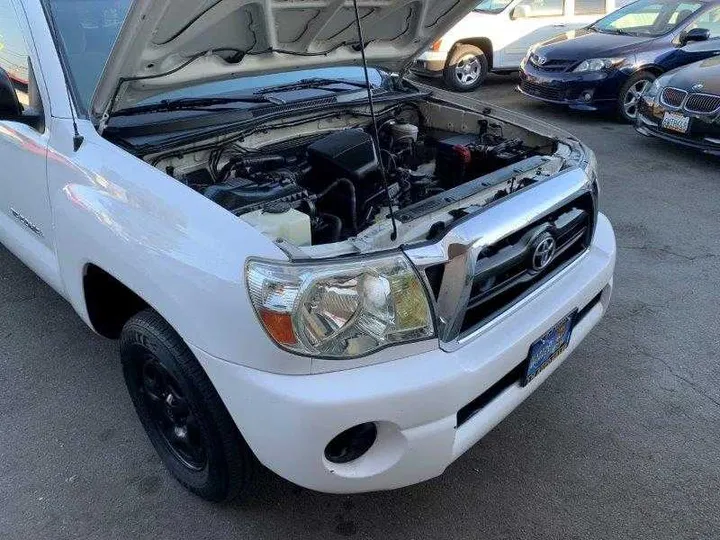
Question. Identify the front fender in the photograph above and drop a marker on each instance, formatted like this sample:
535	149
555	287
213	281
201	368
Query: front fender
174	248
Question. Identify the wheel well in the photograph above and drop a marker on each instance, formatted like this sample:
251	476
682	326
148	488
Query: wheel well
655	70
109	303
484	44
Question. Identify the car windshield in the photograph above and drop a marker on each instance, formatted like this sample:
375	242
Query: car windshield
249	84
492	6
87	30
647	18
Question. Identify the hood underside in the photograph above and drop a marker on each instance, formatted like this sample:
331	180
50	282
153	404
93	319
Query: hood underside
165	45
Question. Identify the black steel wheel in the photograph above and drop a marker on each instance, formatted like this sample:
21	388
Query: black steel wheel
169	411
181	412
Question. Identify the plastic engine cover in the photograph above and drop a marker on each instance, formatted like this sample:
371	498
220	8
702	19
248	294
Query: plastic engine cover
345	154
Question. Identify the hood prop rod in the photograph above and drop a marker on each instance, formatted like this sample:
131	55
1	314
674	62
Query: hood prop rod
375	134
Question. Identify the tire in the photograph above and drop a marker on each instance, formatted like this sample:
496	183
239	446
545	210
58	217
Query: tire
181	412
466	68
629	97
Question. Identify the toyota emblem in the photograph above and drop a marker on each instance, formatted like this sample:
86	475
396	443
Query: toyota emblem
540	60
545	248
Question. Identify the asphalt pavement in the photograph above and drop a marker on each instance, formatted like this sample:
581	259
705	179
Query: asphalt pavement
622	442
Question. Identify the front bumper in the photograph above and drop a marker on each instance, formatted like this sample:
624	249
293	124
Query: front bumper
288	420
571	89
704	134
430	64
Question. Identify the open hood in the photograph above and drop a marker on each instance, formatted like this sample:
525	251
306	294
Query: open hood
169	44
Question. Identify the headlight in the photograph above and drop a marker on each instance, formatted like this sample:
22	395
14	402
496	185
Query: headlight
340	311
585	159
590	165
598	64
653	91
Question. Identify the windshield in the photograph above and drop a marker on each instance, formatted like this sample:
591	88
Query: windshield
647	18
492	6
349	73
87	30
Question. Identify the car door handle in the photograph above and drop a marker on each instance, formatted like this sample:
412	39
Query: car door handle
559	25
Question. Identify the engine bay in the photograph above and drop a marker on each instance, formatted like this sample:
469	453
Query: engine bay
329	186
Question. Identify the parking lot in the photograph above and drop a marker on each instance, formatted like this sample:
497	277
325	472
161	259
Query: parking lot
622	442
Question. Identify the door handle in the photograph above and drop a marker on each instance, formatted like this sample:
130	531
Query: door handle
561	25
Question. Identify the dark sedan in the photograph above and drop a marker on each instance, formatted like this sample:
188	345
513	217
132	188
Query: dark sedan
608	65
683	106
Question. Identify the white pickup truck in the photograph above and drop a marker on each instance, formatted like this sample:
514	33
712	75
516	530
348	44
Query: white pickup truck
497	34
353	305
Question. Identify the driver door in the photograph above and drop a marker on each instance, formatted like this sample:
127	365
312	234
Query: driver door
25	216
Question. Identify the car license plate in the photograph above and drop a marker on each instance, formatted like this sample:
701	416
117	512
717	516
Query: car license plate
676	122
549	347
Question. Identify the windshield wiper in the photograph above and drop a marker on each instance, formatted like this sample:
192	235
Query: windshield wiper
206	104
616	31
309	83
195	104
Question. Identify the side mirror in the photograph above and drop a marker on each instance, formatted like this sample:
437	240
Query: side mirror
696	34
520	12
10	108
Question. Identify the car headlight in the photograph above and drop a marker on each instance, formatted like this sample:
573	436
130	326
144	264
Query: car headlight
654	89
581	156
590	164
598	64
340	311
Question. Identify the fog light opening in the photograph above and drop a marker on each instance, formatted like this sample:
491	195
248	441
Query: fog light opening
351	444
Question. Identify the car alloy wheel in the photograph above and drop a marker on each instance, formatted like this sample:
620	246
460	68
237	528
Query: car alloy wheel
631	100
468	70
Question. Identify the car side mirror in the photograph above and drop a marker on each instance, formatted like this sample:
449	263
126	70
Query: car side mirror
520	12
695	34
10	107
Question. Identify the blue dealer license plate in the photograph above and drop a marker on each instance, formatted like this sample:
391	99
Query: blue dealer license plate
549	347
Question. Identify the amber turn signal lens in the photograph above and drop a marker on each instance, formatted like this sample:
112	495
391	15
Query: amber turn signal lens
436	46
279	326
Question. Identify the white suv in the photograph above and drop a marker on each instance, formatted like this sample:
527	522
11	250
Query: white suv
353	303
497	34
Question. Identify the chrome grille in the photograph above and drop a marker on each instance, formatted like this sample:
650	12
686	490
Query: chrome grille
482	268
504	272
702	103
673	97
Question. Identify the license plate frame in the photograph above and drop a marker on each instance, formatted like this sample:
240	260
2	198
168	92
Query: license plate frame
675	122
552	344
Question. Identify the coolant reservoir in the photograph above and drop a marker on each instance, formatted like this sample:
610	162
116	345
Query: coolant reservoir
281	221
